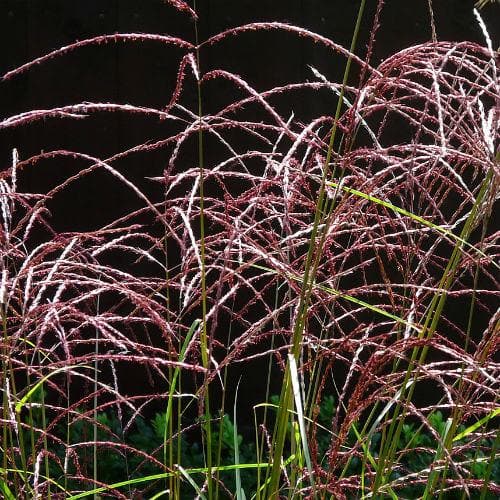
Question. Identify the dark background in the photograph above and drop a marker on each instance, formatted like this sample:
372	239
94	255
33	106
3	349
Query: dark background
144	74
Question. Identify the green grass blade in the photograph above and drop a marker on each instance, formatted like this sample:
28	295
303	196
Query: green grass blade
159	495
300	417
22	402
164	475
173	384
240	494
6	491
434	475
478	424
489	470
24	473
347	297
369	456
412	216
192	482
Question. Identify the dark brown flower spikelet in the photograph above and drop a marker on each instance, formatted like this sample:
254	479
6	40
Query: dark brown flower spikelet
183	7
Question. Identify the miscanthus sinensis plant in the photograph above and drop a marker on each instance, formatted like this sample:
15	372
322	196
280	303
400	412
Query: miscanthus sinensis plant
326	251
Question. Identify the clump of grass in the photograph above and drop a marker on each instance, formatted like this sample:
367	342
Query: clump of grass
326	248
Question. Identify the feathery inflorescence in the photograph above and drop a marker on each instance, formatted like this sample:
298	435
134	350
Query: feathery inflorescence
412	189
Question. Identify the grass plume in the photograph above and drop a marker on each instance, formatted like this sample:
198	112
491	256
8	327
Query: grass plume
339	252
